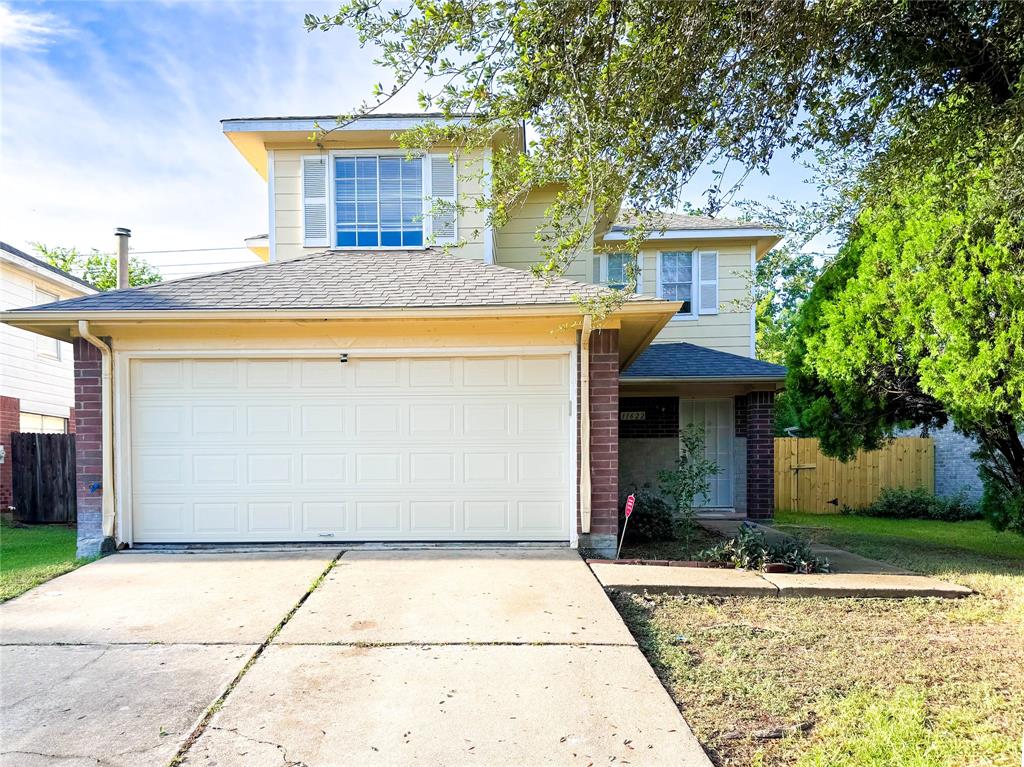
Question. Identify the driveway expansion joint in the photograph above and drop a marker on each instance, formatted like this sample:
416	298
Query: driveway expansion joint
213	708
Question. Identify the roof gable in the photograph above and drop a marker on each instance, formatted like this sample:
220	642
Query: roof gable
20	255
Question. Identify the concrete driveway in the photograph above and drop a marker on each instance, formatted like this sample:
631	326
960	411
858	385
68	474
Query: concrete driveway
418	657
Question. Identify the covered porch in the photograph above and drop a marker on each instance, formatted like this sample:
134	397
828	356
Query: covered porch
731	397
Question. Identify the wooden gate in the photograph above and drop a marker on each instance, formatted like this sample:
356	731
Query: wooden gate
43	469
806	480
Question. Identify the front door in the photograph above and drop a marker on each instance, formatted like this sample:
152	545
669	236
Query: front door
716	418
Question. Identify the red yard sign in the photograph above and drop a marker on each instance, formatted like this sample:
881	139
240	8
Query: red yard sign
629	505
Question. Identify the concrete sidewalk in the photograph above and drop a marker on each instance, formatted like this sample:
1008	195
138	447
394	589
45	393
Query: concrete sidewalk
851	576
655	579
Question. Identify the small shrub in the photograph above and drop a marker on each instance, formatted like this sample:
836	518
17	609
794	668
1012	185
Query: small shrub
652	518
917	503
750	550
688	480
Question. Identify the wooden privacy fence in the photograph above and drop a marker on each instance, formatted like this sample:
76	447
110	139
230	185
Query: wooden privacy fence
43	474
806	480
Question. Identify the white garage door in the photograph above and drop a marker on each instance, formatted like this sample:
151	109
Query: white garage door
431	448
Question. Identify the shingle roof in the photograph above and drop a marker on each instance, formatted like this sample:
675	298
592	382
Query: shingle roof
683	360
344	280
38	262
673	221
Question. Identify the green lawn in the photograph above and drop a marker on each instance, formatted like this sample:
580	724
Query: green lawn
855	683
32	555
976	536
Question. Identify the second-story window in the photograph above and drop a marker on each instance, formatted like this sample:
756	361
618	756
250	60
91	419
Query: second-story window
612	269
676	278
378	202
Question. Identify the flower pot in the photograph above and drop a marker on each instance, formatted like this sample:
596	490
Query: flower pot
778	567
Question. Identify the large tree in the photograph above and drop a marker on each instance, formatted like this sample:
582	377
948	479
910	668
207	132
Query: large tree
629	99
920	319
98	268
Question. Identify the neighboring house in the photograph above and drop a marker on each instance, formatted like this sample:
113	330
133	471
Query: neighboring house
37	384
956	470
396	376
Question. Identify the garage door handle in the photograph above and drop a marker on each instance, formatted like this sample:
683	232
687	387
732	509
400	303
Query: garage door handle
326	535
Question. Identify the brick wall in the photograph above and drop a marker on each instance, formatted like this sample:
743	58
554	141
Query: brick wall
10	421
88	447
661	417
740	408
760	454
604	441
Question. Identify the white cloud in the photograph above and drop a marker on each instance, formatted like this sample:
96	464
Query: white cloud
27	30
119	125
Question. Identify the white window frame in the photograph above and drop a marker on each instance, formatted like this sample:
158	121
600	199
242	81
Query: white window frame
43	348
602	278
696	310
694	298
332	226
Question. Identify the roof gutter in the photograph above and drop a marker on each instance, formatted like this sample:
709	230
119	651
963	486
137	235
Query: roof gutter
174	315
106	438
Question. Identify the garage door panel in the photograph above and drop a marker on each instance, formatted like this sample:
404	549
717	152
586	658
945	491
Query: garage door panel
222	517
214	374
383	449
324	516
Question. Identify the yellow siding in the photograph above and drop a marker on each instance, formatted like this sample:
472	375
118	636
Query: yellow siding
338	335
727	331
515	244
288	203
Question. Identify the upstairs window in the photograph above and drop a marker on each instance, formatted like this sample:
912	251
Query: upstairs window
387	200
612	269
676	279
691	278
378	202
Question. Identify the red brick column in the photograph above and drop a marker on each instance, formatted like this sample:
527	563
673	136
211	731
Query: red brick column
10	421
761	455
88	447
604	441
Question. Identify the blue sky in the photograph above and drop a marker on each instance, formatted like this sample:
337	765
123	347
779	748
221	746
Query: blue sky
109	116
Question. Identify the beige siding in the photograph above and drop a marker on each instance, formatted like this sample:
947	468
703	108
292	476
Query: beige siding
727	331
43	383
516	244
288	204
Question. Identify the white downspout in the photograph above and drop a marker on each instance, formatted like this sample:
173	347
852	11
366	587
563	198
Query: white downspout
585	424
106	438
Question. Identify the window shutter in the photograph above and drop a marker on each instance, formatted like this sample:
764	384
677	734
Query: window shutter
709	283
314	201
597	270
444	225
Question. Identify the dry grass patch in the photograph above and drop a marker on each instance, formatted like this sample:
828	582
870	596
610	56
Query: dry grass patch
846	682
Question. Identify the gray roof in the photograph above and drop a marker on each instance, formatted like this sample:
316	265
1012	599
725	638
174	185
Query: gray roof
683	360
49	267
673	221
344	280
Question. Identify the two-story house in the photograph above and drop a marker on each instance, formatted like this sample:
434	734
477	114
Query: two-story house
395	373
37	384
